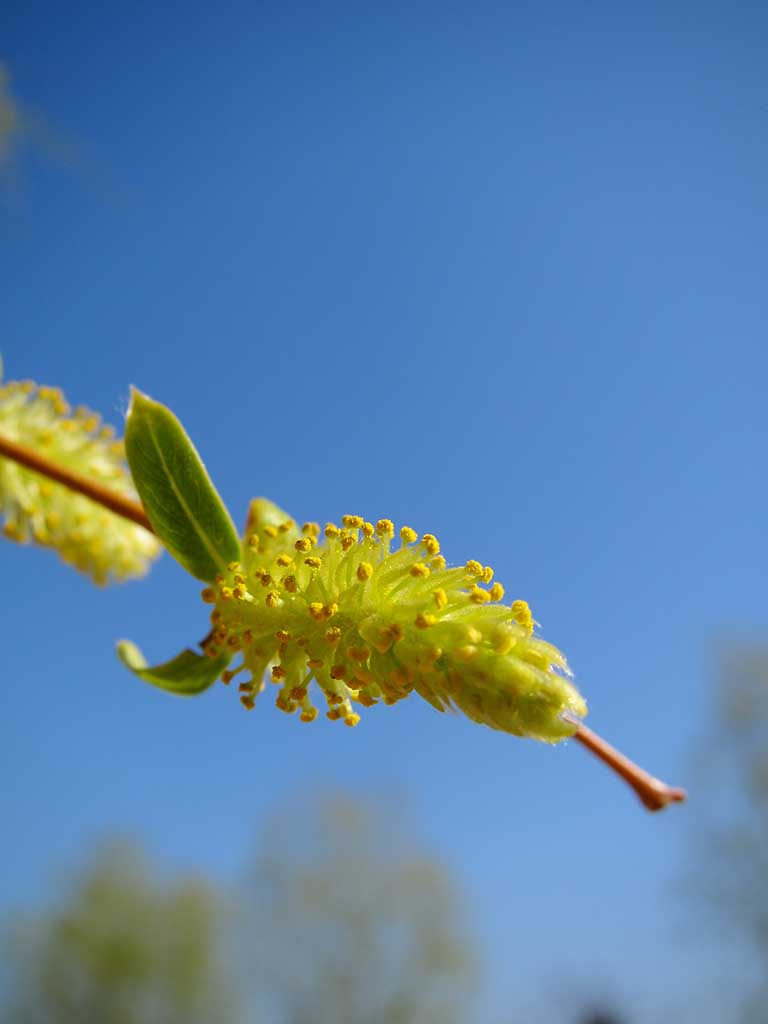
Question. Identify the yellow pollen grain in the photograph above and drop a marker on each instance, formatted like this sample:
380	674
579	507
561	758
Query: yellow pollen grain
368	530
347	543
352	522
424	620
385	528
303	544
478	595
487	574
331	530
496	592
407	535
419	570
313	562
226	594
474	568
364	571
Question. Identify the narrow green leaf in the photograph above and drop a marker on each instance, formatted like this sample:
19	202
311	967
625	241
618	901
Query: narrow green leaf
187	674
183	506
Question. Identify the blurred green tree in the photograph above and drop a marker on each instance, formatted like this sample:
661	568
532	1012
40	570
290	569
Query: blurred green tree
353	923
728	871
122	948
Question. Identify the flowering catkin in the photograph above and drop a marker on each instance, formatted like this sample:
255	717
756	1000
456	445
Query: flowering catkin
372	619
33	508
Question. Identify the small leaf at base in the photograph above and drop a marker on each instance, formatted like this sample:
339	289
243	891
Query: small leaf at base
187	674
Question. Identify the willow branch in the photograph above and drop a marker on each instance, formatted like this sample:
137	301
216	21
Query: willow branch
117	503
654	794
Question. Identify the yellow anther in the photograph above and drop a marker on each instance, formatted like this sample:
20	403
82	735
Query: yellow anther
440	596
438	563
309	714
368	529
424	620
431	543
311	529
266	579
304	544
245	687
253	541
278	672
352	522
272	600
333	635
234	567
239	592
331	530
315	662
521	613
283	636
364	571
497	592
473	635
248	703
407	535
385	528
298	693
313	562
398	677
465	653
366	700
289	582
238	578
286	525
208	595
285	704
226	593
503	640
227	676
351	720
329	610
347	543
478	595
248	636
233	642
284	560
474	568
334	714
270	531
487	574
338	671
316	610
419	570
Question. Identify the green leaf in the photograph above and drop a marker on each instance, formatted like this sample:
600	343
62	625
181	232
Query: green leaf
183	506
187	674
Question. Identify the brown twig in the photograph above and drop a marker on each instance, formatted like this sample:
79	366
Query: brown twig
654	794
38	463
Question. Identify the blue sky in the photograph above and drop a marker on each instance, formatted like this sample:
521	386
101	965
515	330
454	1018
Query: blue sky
494	270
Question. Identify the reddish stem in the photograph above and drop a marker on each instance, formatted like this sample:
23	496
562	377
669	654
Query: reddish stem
38	463
653	793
